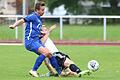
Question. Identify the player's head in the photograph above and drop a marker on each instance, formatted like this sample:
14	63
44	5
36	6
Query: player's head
39	8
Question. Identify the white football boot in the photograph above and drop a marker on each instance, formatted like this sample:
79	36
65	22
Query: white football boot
33	73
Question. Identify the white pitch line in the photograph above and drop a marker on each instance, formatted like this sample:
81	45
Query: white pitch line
14	44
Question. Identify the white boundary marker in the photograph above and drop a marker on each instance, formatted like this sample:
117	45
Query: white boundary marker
12	44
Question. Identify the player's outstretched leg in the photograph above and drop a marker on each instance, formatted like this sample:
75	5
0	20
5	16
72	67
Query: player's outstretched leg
38	62
77	70
85	72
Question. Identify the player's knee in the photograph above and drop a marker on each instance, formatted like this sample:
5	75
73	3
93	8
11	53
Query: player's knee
46	54
66	64
74	68
49	55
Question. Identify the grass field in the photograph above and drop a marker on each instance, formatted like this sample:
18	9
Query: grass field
15	62
71	32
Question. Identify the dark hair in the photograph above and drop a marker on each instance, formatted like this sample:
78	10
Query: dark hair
37	5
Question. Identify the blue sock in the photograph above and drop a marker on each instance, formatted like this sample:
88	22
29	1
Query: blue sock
54	63
38	62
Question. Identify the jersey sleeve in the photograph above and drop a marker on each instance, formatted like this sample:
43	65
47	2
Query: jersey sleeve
29	18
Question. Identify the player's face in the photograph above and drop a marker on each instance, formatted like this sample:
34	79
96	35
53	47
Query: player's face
41	10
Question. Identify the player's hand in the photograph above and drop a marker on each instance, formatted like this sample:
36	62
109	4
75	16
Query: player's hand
11	26
44	30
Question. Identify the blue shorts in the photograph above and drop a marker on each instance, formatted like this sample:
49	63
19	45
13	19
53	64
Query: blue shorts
33	45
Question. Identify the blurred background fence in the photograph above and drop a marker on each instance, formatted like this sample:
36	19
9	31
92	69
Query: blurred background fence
80	28
86	21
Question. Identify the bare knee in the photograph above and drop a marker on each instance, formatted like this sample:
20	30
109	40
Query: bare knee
66	64
49	55
45	52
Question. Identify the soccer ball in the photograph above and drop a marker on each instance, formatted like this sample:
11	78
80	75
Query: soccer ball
93	65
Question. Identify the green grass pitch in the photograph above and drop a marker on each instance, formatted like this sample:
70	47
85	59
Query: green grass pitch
70	32
15	62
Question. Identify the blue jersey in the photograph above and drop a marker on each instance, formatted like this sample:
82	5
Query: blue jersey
32	32
33	26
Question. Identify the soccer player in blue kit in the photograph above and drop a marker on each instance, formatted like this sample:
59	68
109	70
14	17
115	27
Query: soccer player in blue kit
32	40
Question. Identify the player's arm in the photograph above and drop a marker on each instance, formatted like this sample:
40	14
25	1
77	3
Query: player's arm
52	28
46	34
21	21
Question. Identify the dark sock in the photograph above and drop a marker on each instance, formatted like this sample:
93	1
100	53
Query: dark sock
74	68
